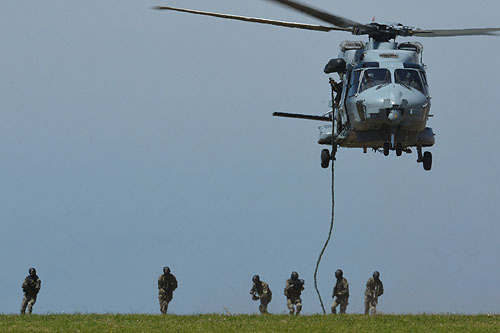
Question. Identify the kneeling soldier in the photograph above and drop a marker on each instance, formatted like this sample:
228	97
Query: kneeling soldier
260	291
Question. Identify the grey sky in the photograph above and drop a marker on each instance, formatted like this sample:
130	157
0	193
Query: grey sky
133	139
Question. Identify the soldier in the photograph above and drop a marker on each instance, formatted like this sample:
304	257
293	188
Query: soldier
374	289
341	292
260	290
337	90
167	283
293	289
31	286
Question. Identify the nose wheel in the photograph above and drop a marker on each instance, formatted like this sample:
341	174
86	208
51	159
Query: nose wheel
388	147
399	149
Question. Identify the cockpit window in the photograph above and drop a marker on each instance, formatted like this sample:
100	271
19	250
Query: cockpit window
410	78
374	77
354	83
424	77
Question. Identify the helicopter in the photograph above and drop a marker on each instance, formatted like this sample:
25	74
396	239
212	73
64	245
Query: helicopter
382	101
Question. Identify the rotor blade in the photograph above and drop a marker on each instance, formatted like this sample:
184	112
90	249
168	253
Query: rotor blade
339	21
255	20
301	116
456	32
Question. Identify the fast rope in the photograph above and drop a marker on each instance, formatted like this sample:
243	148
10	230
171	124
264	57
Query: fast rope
328	239
334	153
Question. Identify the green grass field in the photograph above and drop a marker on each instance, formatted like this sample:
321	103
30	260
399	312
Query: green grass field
248	323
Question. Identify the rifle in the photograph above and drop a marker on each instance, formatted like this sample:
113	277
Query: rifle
299	283
30	286
375	291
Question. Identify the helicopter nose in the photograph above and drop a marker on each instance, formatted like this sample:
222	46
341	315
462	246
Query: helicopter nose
393	104
396	96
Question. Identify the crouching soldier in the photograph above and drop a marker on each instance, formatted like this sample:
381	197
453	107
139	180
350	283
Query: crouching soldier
260	291
293	290
31	287
167	283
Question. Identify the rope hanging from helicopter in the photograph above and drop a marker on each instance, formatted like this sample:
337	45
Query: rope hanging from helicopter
327	240
332	221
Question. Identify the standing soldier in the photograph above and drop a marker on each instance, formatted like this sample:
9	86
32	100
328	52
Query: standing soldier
336	90
341	291
167	283
293	289
374	289
31	286
260	290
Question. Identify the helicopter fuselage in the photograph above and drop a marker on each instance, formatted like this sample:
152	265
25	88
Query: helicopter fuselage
385	97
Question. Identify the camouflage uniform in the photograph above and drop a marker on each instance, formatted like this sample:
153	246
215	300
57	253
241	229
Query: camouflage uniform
264	294
341	292
374	289
293	290
167	283
337	89
31	286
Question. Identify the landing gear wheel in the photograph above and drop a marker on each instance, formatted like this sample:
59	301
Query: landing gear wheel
427	160
399	149
325	158
387	146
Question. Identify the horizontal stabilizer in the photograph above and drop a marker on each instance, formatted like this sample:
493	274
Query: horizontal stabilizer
301	116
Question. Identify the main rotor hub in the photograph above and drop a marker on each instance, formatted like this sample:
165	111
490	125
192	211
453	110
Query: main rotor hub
381	32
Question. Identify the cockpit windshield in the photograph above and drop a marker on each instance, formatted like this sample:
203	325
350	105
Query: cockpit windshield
374	77
410	78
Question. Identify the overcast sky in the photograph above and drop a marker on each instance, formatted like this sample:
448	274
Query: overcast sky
131	139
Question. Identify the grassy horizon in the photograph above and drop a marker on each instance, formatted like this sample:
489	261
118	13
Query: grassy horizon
249	323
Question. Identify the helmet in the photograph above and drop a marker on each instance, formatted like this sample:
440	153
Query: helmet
294	275
339	274
166	270
369	76
32	271
376	274
256	278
